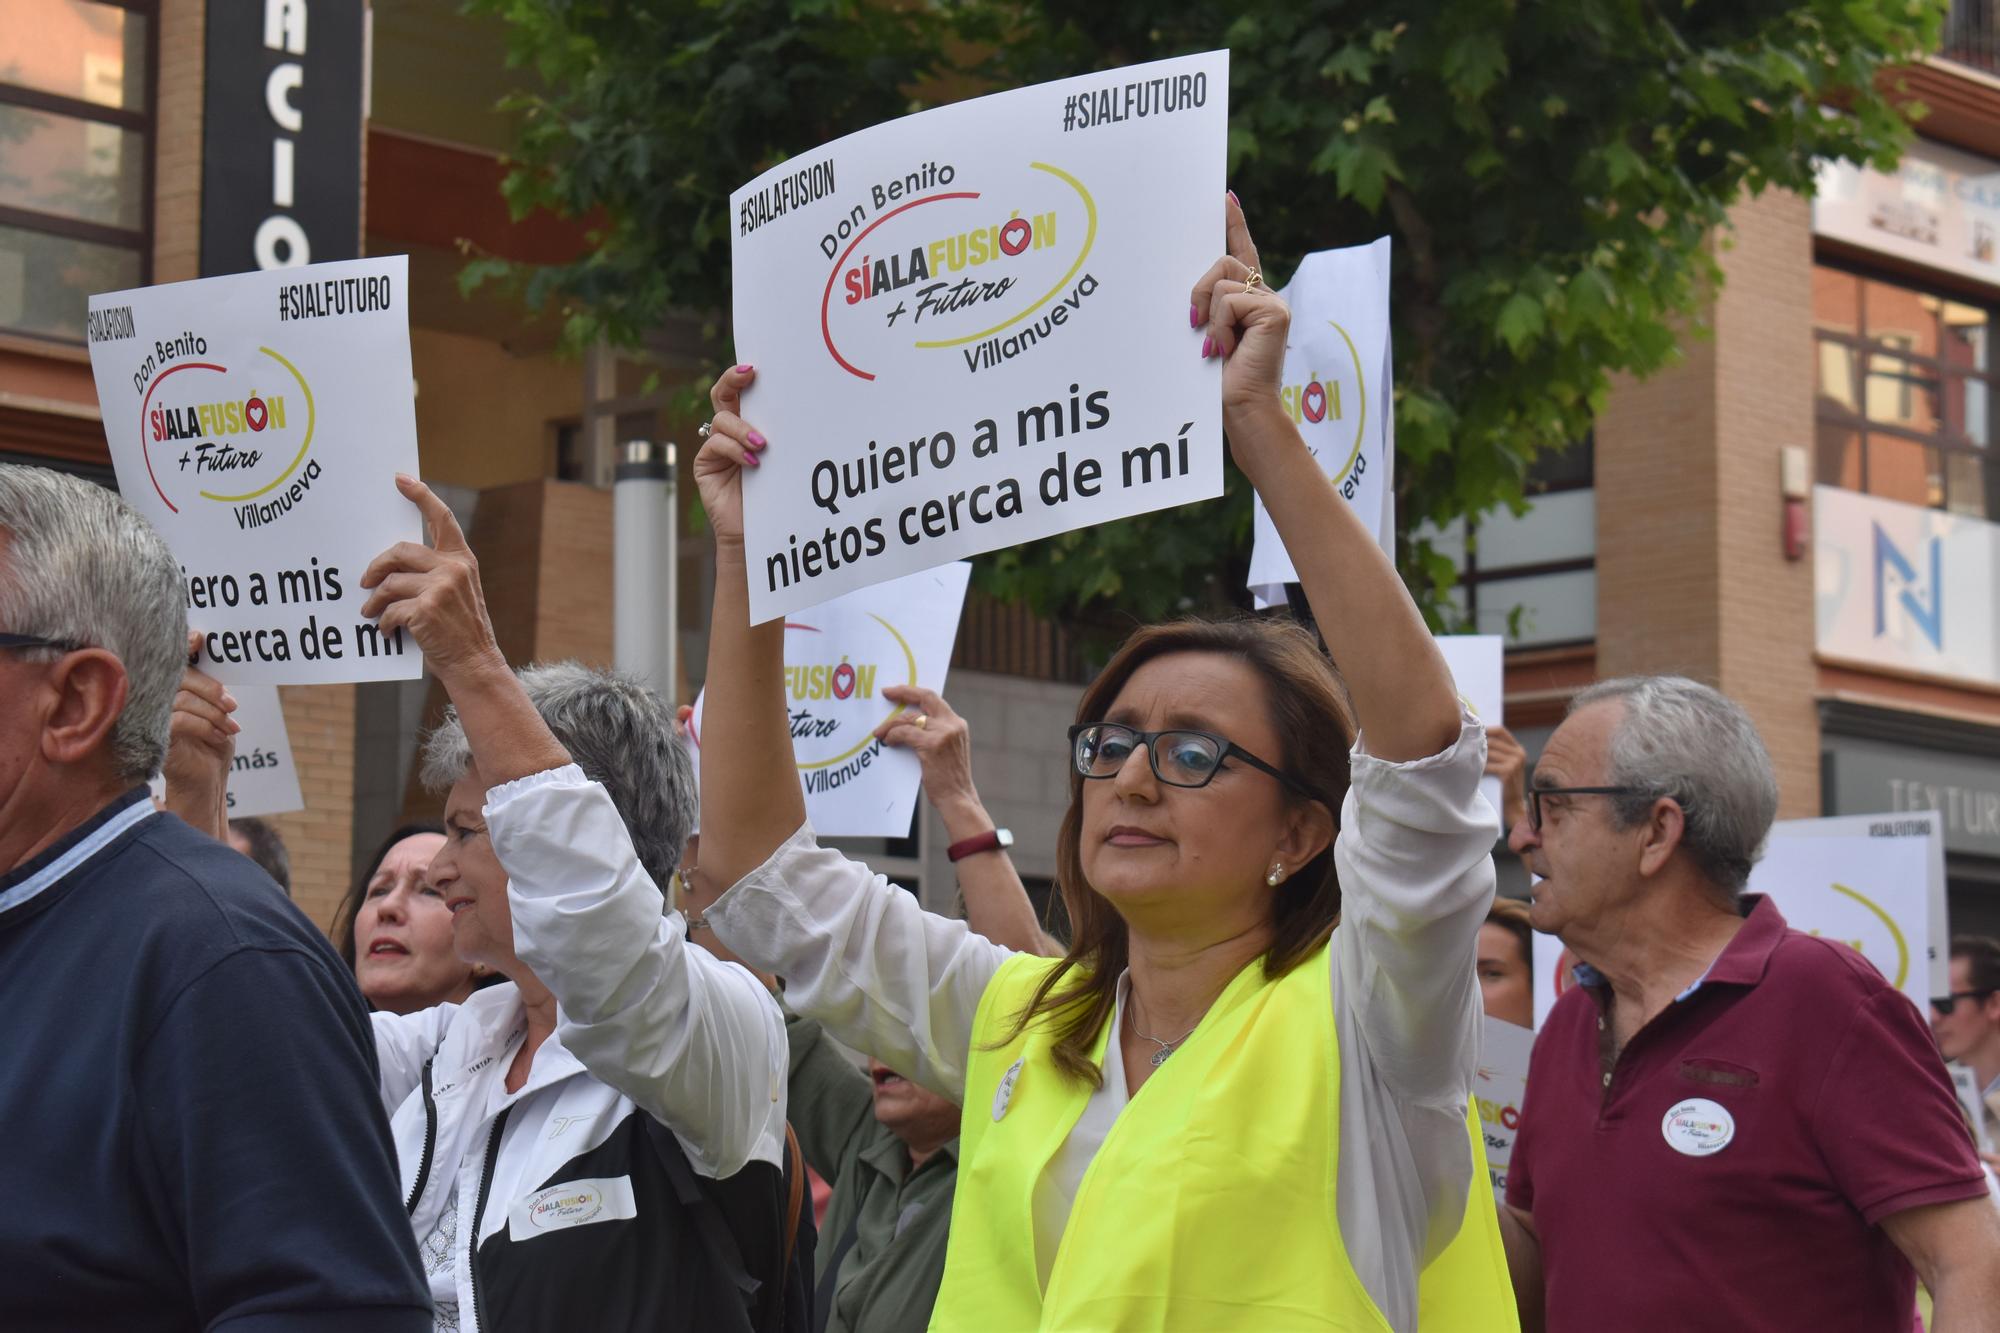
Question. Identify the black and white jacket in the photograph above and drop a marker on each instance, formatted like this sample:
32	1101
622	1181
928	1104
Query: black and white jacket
661	1094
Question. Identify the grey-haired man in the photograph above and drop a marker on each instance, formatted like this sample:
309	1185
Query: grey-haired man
193	1135
1702	1143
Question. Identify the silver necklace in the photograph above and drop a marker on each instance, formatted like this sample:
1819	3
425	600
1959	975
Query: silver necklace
1167	1048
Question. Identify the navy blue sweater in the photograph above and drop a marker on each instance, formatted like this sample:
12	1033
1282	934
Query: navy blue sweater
191	1132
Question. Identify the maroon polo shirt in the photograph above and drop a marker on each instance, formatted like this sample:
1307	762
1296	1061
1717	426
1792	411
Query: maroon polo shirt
1730	1169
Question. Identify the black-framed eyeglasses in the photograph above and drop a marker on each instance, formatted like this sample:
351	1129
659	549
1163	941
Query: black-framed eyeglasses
1180	758
1944	1004
1535	795
36	641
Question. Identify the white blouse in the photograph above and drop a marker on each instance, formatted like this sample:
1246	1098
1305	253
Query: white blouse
1416	874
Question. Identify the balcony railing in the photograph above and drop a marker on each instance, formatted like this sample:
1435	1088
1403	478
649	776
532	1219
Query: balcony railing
1972	34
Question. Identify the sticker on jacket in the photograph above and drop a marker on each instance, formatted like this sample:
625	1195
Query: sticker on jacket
574	1203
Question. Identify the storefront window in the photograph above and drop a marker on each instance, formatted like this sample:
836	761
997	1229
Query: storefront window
1905	378
75	137
1532	578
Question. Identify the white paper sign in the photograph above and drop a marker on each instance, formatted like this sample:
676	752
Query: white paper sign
1836	878
838	659
1552	975
262	777
1500	1081
1970	1101
1915	878
971	327
258	422
1478	667
1339	382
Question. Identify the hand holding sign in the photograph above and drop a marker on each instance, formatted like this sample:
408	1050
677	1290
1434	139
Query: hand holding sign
731	445
201	745
1246	324
929	728
434	592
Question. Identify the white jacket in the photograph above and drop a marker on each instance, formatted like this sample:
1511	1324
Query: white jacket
647	1024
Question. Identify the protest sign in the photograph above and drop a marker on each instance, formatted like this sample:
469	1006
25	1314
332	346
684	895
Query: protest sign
262	779
1500	1081
838	659
1971	1103
1925	827
971	327
1478	668
1841	879
1552	975
1339	383
258	422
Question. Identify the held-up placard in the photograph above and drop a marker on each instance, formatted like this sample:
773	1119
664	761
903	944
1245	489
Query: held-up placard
971	327
1339	382
1857	879
1500	1082
838	659
262	778
1930	946
1478	665
258	422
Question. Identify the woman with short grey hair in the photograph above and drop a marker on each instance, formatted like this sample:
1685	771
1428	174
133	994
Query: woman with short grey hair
620	1078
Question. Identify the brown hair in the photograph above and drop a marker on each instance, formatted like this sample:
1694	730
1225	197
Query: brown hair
1511	915
1982	955
1309	711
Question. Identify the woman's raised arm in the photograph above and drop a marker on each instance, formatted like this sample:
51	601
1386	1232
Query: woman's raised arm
1403	694
750	798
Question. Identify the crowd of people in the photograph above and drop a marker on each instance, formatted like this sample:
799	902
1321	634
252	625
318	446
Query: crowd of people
570	1064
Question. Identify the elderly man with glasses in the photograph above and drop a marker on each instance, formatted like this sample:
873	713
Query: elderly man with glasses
1729	1123
188	1097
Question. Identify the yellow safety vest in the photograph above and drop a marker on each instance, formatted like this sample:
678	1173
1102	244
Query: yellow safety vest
1210	1204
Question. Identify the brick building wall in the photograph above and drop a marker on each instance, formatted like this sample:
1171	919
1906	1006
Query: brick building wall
1764	404
177	148
1690	567
320	721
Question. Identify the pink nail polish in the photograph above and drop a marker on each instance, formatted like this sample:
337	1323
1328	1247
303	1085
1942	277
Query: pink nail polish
1234	200
753	460
1207	348
1194	318
757	441
745	368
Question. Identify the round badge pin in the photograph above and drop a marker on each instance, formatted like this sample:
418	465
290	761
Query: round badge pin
1005	1092
1698	1127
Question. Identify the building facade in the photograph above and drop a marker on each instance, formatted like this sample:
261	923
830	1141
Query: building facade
1803	511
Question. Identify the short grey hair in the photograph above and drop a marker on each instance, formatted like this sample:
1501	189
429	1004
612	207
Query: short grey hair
1682	739
81	566
620	734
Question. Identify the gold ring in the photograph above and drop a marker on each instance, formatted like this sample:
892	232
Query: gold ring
922	720
1256	280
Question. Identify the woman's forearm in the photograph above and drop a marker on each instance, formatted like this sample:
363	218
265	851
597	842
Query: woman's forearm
996	902
1403	692
750	797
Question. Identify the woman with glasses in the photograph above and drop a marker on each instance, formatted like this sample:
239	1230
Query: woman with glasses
1216	1109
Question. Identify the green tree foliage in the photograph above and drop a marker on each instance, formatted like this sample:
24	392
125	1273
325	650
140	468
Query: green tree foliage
1553	172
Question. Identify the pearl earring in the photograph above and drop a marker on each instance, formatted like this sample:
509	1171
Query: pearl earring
1277	873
